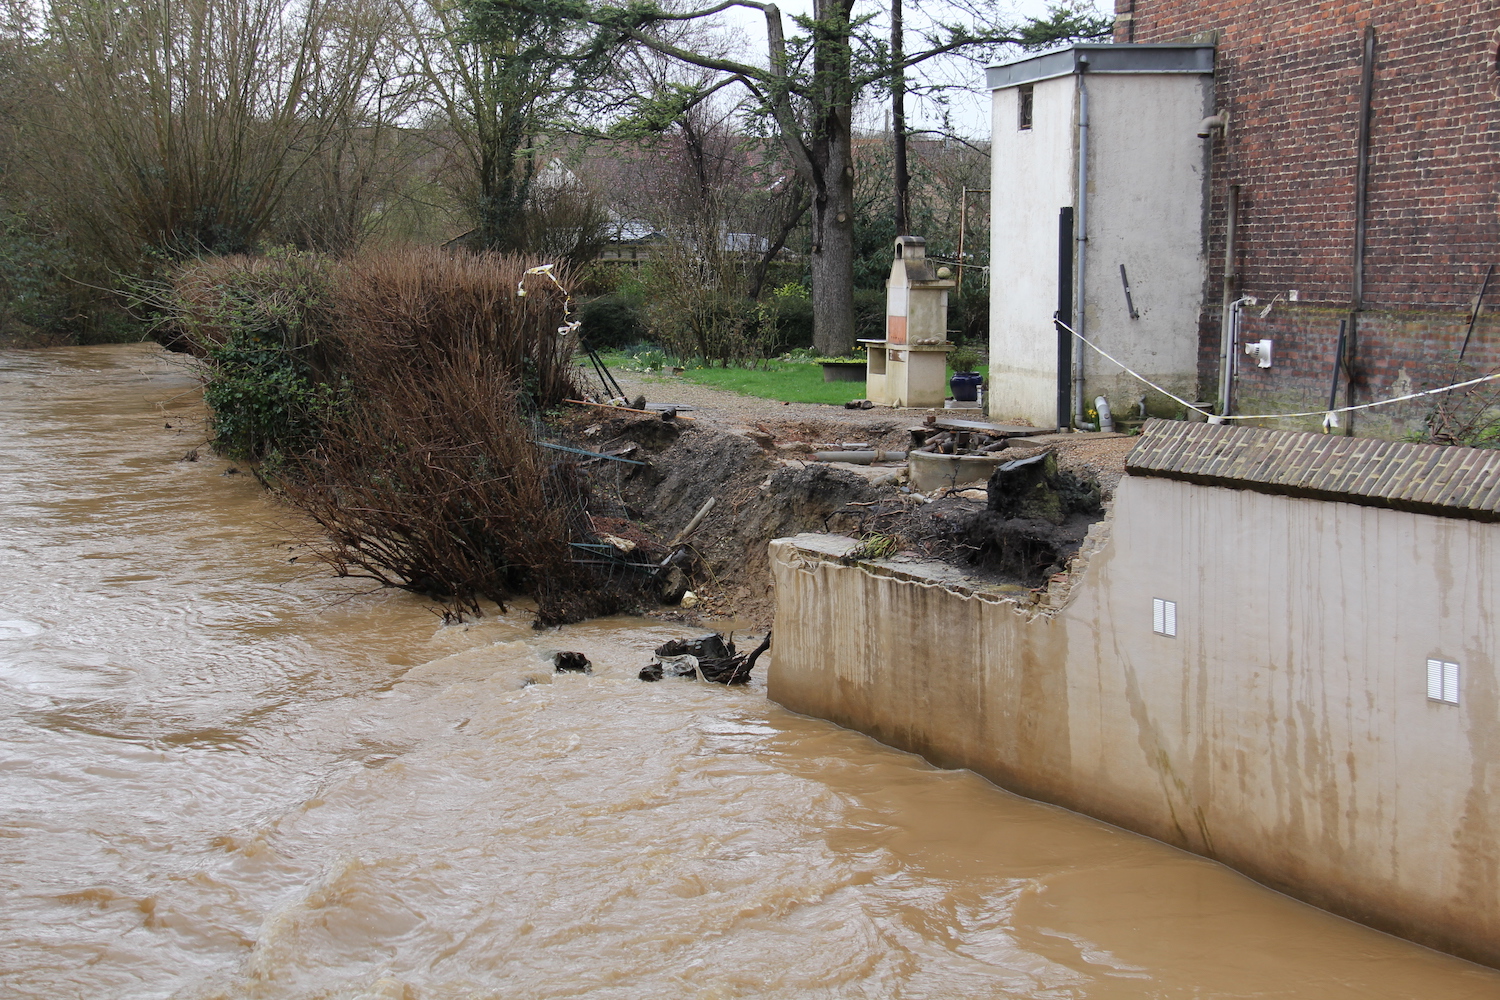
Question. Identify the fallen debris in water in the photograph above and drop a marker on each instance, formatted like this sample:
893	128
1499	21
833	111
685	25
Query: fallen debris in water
711	658
571	663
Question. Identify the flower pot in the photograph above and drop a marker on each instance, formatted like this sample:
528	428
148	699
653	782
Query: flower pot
965	386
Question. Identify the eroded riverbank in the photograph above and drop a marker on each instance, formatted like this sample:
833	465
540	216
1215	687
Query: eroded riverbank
223	774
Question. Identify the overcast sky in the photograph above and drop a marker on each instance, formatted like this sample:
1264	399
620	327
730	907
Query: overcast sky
967	104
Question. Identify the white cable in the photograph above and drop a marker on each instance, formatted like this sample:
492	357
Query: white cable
569	326
1129	372
1328	415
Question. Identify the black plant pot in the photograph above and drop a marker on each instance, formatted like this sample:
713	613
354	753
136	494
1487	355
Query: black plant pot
965	386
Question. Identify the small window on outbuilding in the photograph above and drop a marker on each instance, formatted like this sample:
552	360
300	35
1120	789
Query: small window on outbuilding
1023	100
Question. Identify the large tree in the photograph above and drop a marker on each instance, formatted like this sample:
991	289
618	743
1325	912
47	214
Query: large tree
498	75
807	89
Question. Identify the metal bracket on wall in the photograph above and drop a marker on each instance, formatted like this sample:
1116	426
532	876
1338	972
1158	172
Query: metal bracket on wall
1129	302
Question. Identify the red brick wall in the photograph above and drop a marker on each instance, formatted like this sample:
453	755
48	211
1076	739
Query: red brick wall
1288	74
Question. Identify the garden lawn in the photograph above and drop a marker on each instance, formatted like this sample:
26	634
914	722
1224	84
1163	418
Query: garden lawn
783	381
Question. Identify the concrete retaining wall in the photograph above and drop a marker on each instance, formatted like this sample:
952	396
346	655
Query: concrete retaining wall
1285	730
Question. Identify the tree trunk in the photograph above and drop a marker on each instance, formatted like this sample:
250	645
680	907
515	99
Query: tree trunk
832	153
833	256
898	123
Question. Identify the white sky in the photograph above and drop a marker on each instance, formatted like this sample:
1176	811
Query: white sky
968	104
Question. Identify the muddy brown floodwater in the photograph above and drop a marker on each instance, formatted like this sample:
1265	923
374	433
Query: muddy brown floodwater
223	774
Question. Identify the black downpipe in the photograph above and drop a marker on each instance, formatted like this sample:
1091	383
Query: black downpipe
1338	367
1063	314
1361	211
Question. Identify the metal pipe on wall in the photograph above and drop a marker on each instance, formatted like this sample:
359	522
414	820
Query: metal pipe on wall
1361	206
1063	314
1080	234
1226	312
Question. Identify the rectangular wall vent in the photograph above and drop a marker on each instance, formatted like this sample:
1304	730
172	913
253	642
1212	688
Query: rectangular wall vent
1442	682
1163	616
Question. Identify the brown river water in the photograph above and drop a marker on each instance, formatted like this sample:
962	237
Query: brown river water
224	774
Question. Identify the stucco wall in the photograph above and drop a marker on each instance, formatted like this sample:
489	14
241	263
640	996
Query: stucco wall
1032	178
1146	210
1148	195
1285	730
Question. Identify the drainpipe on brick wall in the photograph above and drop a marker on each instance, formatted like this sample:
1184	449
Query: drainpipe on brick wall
1226	309
1361	206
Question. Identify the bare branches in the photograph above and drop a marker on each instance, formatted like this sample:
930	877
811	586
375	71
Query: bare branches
179	127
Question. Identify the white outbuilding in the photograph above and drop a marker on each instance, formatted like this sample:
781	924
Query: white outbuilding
1100	193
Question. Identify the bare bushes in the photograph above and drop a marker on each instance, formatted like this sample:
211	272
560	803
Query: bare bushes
177	127
1469	416
427	478
424	370
440	309
698	308
431	483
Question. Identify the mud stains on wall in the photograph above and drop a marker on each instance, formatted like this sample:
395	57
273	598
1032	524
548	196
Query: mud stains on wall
1285	728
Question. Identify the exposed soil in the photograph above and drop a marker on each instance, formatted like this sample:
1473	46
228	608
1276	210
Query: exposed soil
756	465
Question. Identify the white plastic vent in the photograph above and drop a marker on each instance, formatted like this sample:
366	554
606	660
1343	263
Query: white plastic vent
1442	682
1163	616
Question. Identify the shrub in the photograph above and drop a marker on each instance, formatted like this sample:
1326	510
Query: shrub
432	484
788	323
969	312
35	298
430	309
963	358
264	399
869	314
396	392
610	322
261	325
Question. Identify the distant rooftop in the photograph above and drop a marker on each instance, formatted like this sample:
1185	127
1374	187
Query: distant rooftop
1423	478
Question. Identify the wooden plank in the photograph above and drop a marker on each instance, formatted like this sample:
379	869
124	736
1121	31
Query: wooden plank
619	409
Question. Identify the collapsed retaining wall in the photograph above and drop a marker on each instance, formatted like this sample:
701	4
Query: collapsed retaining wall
1286	728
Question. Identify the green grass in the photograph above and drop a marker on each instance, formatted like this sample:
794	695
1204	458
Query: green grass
791	383
779	380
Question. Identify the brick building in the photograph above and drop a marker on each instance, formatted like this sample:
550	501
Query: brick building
1289	77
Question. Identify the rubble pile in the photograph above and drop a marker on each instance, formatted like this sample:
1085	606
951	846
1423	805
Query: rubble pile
977	441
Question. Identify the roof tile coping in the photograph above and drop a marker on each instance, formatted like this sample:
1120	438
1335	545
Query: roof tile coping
1445	481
